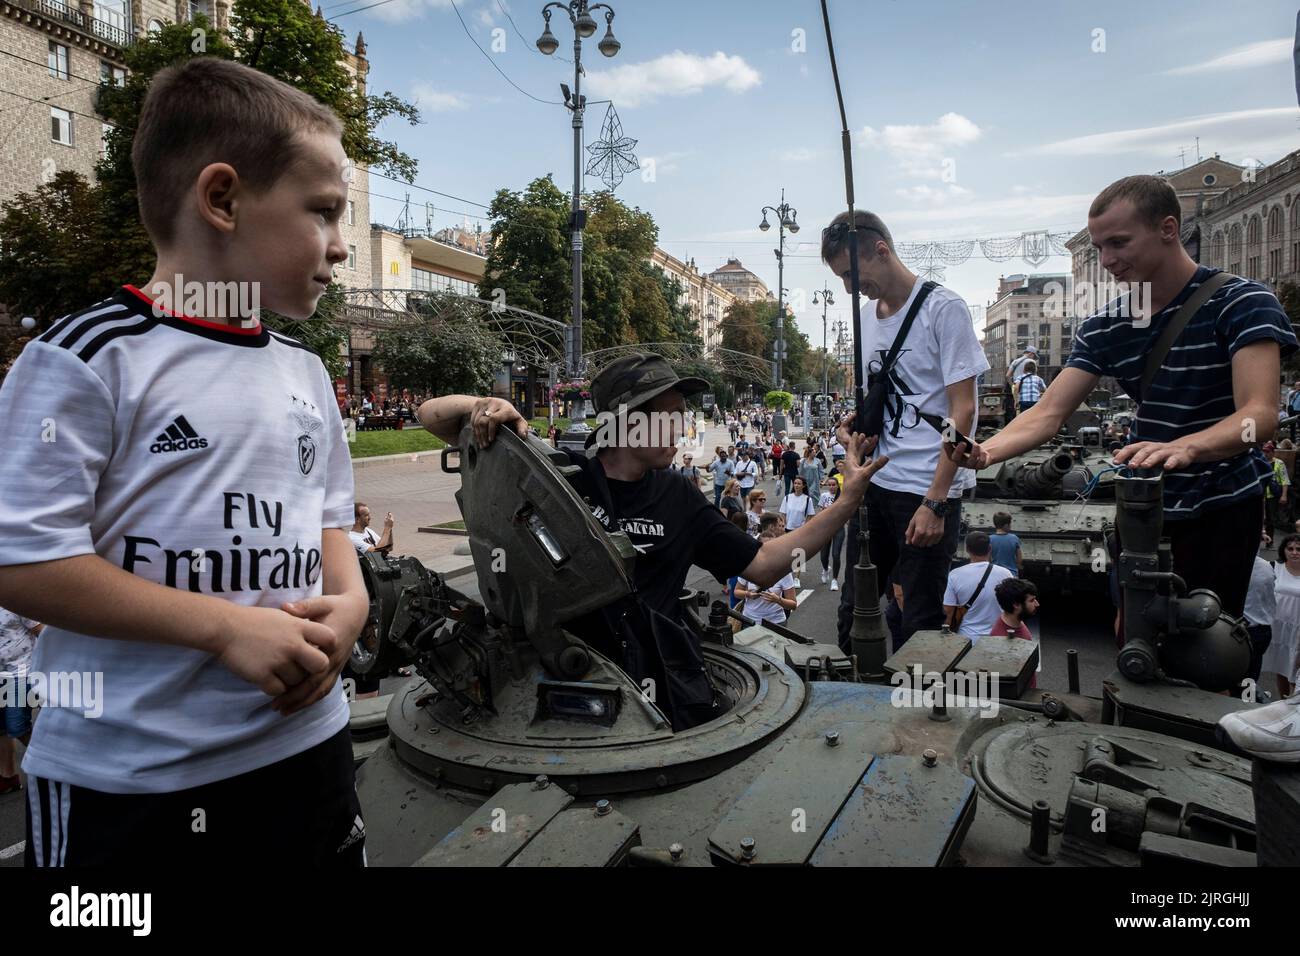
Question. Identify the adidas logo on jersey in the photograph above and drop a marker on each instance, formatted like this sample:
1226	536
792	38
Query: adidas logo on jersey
179	436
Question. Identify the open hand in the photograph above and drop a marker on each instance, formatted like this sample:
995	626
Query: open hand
1155	454
857	473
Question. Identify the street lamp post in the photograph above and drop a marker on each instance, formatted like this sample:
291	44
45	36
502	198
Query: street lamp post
584	25
828	299
785	219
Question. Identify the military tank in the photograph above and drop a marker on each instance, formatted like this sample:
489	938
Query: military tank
1062	506
518	745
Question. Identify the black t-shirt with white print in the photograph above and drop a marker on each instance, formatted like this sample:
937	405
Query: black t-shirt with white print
672	526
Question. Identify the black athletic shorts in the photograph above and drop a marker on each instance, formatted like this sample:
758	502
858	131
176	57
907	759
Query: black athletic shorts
302	811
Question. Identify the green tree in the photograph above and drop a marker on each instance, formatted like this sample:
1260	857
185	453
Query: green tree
681	325
448	351
48	239
324	333
778	400
106	244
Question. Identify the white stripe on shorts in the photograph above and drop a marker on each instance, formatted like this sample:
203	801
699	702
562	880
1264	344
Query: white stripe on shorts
34	805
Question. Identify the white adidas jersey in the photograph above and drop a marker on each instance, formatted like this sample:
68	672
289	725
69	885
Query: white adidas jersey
199	456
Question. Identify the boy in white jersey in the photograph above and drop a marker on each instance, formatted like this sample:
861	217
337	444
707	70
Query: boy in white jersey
174	504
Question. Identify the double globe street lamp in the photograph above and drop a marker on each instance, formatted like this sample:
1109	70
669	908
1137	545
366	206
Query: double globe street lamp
827	299
584	25
785	219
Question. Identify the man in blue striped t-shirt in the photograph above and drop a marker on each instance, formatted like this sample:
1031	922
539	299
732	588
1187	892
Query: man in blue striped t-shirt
1211	403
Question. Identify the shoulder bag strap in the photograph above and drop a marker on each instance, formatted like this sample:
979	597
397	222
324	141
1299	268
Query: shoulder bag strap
1156	357
925	290
979	587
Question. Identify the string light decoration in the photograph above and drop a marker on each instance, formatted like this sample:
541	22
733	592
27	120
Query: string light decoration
931	259
611	155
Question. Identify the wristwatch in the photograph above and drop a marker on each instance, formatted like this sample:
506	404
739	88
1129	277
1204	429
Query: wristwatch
940	508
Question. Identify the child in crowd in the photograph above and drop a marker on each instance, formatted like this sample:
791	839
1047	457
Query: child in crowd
1004	545
771	604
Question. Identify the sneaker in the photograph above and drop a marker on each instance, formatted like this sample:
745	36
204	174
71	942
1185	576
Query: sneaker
835	585
1269	733
826	576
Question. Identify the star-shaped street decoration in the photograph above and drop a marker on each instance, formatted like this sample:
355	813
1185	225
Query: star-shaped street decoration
611	155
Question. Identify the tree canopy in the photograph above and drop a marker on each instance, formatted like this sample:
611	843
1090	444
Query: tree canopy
70	243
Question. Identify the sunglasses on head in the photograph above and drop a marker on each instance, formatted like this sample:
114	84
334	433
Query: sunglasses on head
837	232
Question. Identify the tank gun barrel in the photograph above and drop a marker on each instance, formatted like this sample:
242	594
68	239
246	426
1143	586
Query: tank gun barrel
1041	480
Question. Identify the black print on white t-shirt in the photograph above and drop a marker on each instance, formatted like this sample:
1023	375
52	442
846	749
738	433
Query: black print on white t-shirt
902	413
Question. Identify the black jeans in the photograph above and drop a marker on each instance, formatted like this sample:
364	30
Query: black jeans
921	572
831	553
1217	551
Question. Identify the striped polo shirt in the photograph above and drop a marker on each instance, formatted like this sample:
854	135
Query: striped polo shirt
1193	388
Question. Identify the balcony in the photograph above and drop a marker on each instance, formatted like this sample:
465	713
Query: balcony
110	33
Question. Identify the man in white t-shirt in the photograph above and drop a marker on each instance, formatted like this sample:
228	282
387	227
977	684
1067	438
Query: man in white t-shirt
976	579
914	504
363	536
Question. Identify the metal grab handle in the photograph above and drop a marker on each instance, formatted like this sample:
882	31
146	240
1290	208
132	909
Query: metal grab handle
446	467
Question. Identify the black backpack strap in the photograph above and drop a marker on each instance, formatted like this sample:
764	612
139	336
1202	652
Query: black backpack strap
979	587
1156	357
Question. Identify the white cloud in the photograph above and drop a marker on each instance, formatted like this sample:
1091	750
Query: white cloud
673	74
1241	58
1259	132
920	150
438	101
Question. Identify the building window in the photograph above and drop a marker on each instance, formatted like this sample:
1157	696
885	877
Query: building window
60	126
1209	179
352	213
199	7
108	73
155	26
352	257
104	129
1022	331
58	61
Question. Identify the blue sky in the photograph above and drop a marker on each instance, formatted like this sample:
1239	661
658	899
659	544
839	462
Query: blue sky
970	119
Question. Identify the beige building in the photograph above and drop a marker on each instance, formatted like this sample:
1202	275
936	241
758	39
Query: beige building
54	54
1024	312
708	301
1253	228
744	285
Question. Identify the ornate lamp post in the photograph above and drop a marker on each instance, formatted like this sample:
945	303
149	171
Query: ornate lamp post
827	299
584	25
785	219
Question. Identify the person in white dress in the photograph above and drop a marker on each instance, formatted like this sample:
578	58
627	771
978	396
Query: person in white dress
1283	654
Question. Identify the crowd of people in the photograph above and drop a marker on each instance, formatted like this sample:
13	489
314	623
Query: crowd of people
226	690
